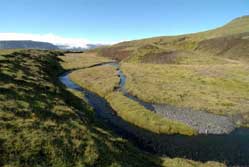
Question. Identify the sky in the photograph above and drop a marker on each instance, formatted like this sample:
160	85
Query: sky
78	22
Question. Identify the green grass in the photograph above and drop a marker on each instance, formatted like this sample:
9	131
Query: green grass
102	80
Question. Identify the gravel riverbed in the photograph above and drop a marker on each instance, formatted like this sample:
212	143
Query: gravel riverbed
205	123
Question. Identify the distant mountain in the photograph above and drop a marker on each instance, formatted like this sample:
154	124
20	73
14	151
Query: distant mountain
93	46
27	45
88	46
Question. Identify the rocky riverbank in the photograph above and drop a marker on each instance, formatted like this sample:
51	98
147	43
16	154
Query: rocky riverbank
205	123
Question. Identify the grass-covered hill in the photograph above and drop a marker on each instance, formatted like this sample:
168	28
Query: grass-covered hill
44	124
230	40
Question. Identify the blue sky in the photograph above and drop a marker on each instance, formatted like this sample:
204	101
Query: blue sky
116	20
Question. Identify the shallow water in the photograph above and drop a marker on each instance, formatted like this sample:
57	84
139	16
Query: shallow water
231	148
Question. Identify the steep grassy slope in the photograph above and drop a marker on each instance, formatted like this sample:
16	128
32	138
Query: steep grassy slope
42	124
235	34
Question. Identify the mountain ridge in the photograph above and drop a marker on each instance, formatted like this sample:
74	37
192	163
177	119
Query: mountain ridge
27	44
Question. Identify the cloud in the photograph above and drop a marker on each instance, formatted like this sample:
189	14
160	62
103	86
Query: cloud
51	38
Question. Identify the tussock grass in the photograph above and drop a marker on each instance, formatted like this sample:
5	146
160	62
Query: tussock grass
76	60
136	114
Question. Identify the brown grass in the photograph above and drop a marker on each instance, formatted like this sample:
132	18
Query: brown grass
118	53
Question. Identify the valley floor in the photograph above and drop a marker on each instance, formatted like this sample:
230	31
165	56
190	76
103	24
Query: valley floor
94	80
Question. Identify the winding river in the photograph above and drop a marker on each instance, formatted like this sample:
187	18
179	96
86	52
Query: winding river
221	141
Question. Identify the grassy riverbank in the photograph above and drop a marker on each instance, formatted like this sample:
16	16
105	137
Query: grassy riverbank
136	114
102	80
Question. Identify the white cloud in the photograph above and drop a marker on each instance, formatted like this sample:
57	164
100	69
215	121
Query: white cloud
51	38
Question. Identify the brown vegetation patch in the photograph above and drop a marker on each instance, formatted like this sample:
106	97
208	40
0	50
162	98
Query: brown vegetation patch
232	46
167	57
118	53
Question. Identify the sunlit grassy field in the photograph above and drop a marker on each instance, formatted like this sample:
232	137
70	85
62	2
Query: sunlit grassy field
75	61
